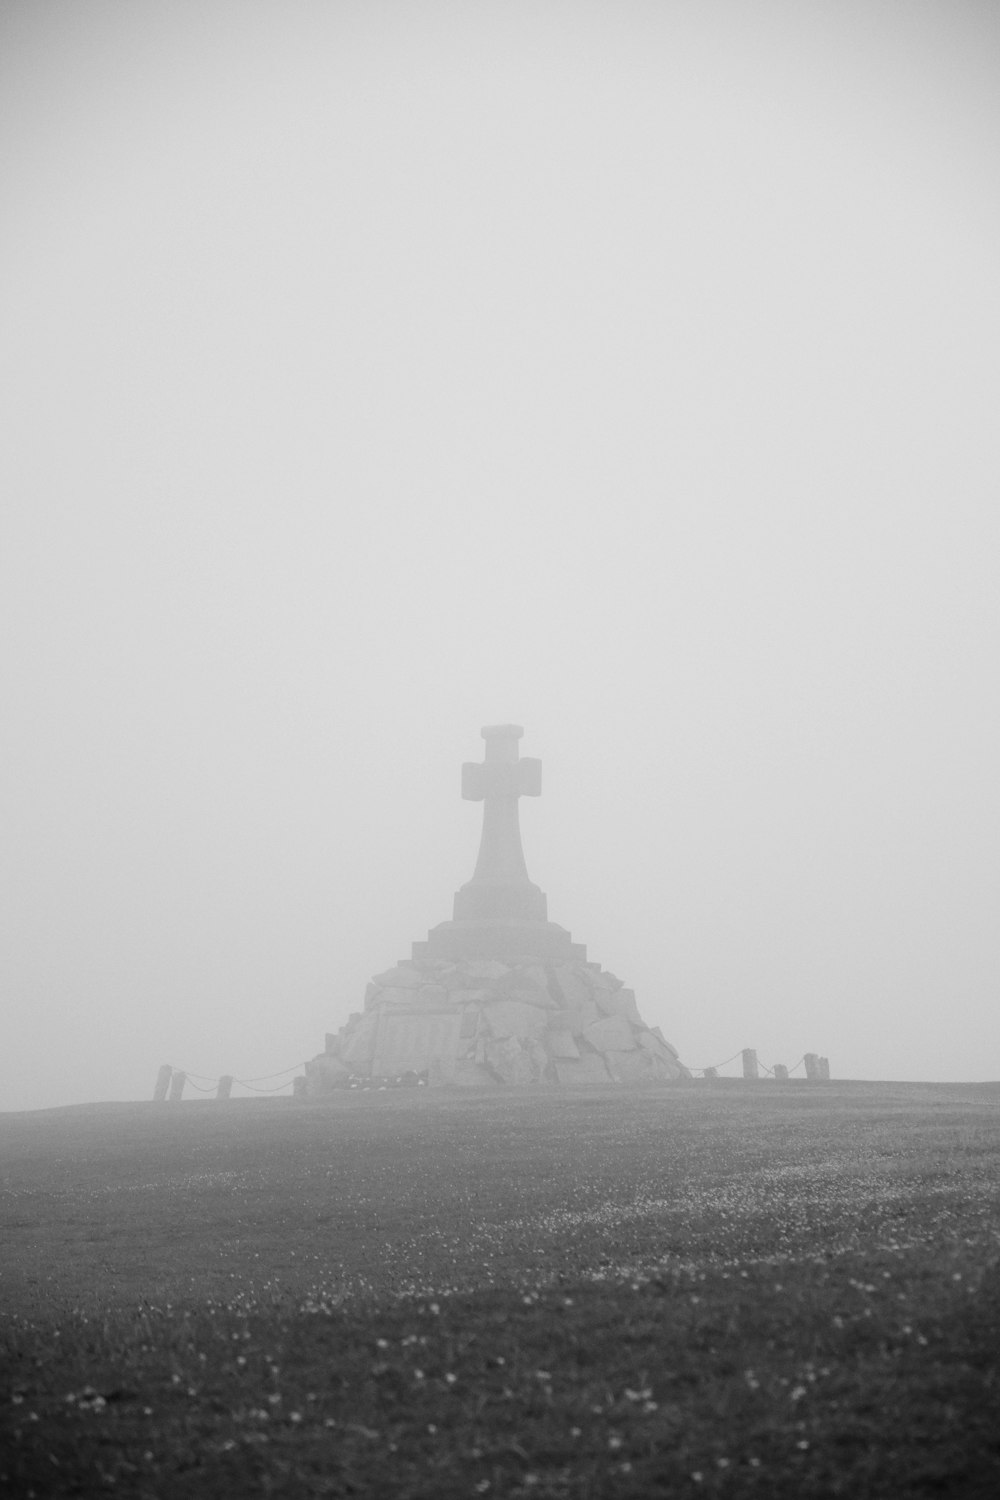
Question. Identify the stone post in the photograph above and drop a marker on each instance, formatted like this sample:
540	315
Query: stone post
225	1086
812	1066
162	1083
750	1063
177	1083
824	1069
780	1073
711	1072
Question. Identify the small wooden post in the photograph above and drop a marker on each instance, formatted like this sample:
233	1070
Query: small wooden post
225	1086
299	1087
177	1083
780	1073
811	1061
711	1072
824	1069
162	1083
750	1063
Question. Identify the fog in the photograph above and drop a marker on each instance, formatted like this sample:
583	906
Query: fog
374	372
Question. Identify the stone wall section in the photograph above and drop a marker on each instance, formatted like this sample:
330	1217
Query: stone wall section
488	1023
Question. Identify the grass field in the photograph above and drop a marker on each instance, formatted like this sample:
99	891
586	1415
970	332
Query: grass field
730	1289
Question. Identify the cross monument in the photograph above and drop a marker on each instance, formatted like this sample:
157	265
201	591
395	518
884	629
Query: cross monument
500	911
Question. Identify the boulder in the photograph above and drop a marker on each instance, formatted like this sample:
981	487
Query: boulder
613	1034
520	982
534	974
485	968
585	1070
434	997
560	1043
569	985
512	1063
670	1069
527	995
395	998
631	1067
324	1074
574	1019
358	1046
403	976
468	997
660	1037
476	1021
620	1002
651	1043
514	1018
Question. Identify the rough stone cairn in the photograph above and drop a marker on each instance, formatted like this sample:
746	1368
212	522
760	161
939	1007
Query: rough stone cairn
499	995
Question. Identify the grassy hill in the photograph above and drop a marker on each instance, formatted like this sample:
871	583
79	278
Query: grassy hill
735	1289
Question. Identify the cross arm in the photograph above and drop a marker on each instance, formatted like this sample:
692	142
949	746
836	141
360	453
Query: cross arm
484	779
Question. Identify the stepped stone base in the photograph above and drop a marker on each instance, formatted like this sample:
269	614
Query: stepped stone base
542	1016
499	937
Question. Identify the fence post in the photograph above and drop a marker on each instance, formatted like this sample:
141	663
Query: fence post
162	1083
177	1083
750	1063
812	1065
824	1069
711	1072
225	1086
780	1073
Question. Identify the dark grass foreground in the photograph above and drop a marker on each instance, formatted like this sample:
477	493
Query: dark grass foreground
742	1290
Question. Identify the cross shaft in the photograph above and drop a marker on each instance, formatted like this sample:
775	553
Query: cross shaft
498	782
500	887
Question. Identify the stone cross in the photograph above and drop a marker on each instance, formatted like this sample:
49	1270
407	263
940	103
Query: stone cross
500	888
499	913
498	781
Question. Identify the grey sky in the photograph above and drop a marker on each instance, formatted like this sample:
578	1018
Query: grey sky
375	372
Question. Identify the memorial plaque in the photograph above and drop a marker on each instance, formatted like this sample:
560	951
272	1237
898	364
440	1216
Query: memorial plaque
407	1041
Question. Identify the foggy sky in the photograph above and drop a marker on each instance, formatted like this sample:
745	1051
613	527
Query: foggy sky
373	372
